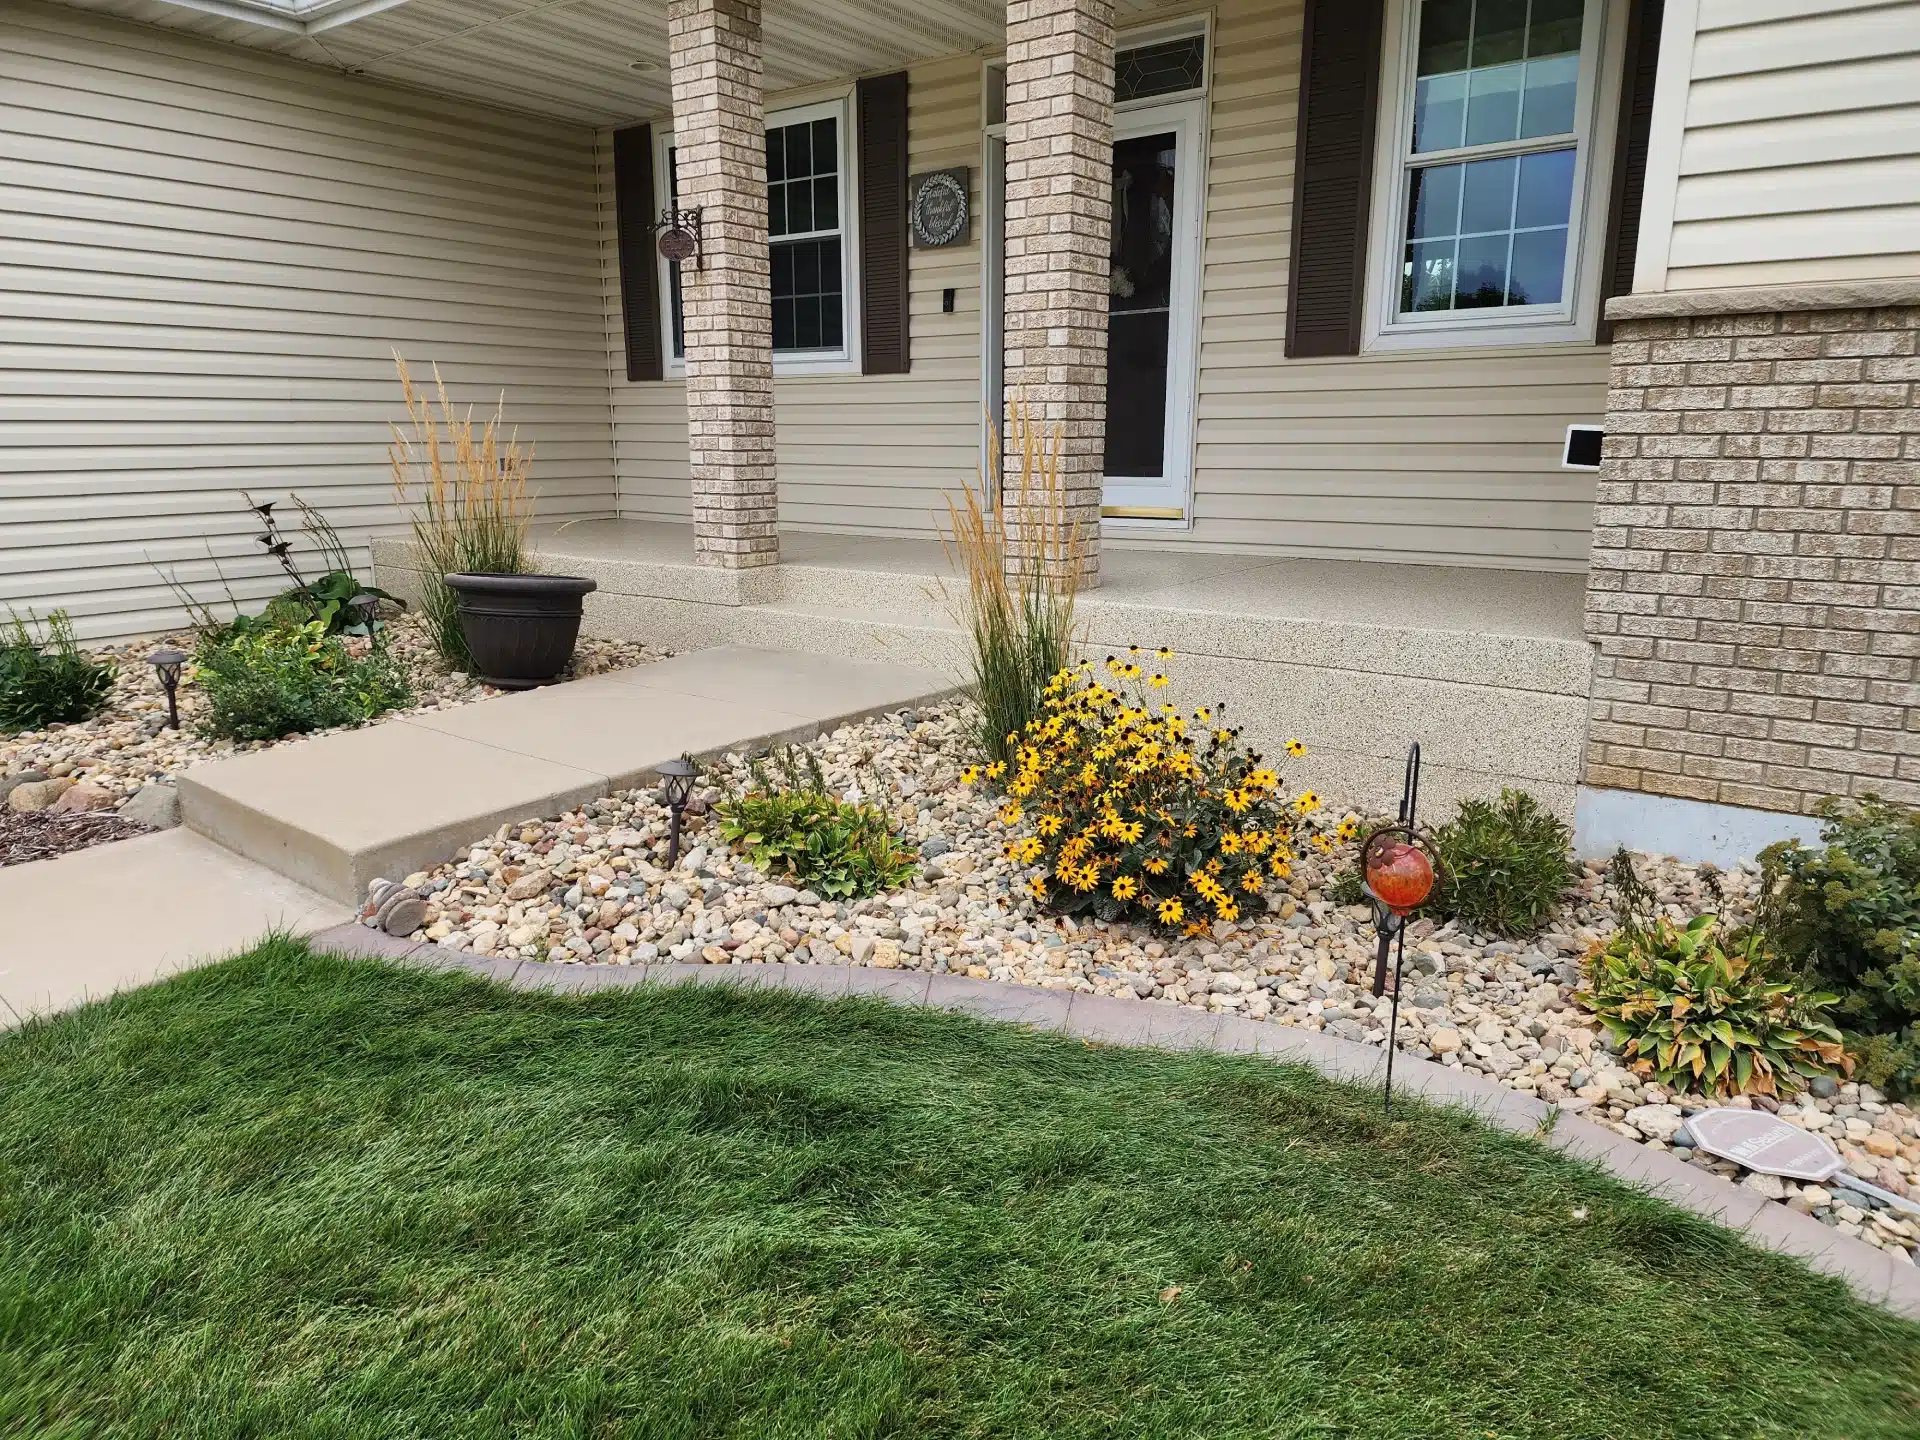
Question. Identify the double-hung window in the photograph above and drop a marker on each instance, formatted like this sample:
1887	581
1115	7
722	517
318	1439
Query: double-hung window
1488	141
810	238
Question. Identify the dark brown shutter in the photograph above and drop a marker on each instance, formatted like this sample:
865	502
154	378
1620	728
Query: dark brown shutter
639	276
1333	176
1630	156
883	224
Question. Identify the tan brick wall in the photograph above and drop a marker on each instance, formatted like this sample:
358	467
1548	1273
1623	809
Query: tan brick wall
1754	596
719	126
1059	236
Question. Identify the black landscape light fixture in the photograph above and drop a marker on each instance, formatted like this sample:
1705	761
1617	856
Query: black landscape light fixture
167	664
676	784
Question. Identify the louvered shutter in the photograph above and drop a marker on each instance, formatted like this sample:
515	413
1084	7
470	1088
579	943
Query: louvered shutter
1630	156
883	224
1333	176
639	276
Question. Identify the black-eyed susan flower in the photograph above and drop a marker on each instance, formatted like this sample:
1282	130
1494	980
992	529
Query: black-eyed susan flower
1010	813
1158	680
1124	887
1306	802
1037	887
1296	749
970	775
1165	652
1170	912
1251	882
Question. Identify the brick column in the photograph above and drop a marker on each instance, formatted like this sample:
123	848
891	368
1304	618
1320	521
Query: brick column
1059	237
719	126
1754	596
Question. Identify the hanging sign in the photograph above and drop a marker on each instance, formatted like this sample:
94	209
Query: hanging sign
939	213
678	236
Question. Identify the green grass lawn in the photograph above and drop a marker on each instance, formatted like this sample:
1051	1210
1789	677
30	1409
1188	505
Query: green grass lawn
295	1196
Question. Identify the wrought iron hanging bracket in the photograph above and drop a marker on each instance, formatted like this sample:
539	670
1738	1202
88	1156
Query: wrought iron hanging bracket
677	237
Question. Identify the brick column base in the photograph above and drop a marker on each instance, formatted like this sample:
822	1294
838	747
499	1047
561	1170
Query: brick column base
1059	238
719	127
1754	596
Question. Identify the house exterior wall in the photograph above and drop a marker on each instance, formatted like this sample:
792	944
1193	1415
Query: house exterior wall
1443	457
1784	144
1755	592
207	258
862	453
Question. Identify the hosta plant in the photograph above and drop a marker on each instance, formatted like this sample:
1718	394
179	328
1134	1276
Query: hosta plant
788	824
1139	810
1696	1012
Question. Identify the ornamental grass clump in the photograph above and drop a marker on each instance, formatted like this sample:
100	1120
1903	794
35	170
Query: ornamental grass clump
467	493
1138	810
789	824
1847	915
49	681
1021	550
1699	1010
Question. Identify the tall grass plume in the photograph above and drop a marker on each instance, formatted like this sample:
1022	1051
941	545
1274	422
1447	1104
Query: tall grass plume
466	494
1022	559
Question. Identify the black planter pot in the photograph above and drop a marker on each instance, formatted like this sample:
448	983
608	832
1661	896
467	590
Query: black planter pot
520	628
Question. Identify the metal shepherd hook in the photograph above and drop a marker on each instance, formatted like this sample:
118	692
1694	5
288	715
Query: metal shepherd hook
1400	871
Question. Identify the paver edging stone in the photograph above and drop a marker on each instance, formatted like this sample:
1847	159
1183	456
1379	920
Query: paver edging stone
1869	1272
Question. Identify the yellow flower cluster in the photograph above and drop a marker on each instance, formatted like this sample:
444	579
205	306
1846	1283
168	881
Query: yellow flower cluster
1133	808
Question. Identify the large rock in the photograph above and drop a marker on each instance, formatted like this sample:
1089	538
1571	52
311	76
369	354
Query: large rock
38	795
534	882
1656	1122
155	806
1444	1041
82	797
10	783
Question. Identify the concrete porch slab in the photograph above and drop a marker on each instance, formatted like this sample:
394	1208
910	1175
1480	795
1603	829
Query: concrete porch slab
1489	669
336	812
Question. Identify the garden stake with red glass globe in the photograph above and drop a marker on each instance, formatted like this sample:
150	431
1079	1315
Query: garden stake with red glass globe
1400	869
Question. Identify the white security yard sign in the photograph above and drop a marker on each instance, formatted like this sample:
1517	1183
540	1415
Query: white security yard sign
1767	1143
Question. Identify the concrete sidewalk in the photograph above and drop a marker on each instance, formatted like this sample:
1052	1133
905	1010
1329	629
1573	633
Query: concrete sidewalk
339	811
288	838
81	926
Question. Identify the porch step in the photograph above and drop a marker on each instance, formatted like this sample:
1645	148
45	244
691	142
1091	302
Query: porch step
341	810
1488	670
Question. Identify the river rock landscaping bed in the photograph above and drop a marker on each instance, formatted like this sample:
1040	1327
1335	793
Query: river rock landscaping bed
102	766
588	886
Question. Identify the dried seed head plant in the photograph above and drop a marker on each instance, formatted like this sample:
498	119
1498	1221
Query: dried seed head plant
1022	558
466	494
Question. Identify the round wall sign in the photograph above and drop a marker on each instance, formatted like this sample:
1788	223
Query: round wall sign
940	209
677	244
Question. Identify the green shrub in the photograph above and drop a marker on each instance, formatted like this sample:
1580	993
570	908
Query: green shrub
1848	915
792	826
49	682
1698	1013
1507	863
268	681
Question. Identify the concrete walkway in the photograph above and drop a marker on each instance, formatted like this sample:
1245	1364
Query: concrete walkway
288	838
81	926
1869	1272
336	812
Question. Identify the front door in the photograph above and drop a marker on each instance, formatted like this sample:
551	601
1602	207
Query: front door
1152	325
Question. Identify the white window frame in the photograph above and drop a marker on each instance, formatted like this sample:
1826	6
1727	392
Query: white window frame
1596	114
845	359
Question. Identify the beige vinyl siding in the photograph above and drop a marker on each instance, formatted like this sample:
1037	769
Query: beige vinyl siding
1439	457
1800	159
207	258
867	454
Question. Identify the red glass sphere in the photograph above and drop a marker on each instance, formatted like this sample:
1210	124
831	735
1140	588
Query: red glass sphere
1399	873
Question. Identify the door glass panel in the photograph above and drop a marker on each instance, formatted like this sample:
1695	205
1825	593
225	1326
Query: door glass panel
1140	285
